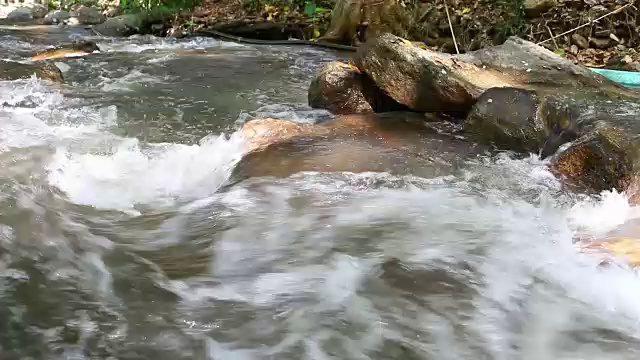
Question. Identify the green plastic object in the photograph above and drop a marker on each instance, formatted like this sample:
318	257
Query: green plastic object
625	78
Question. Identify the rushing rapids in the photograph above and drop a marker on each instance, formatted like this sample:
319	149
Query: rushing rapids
119	238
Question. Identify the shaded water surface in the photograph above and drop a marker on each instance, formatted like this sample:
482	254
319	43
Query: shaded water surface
116	241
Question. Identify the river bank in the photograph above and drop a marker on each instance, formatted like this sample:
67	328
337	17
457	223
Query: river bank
567	27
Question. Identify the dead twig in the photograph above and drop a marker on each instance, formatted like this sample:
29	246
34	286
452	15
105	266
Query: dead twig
453	35
552	37
585	24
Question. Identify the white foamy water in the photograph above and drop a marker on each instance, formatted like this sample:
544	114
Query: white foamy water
529	288
138	44
33	113
157	173
131	80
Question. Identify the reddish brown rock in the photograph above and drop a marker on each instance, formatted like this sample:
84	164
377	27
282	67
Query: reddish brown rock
603	159
398	143
343	89
339	88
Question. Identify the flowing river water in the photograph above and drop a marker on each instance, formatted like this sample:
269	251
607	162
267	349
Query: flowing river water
117	243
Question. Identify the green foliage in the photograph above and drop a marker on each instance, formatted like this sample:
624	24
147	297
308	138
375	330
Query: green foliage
70	3
157	7
513	20
309	8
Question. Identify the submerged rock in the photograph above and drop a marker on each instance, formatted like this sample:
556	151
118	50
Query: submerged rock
10	70
616	249
398	143
78	48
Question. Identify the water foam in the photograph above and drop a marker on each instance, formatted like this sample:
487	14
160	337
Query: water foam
129	81
35	113
138	44
154	173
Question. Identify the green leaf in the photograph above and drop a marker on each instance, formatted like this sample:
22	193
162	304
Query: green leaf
309	8
316	32
559	52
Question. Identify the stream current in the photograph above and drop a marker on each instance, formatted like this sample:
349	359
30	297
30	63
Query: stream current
116	243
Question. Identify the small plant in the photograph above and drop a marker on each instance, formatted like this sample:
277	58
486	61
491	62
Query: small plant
157	7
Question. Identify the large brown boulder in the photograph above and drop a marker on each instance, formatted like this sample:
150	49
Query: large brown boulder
398	143
430	81
343	89
339	88
10	70
420	79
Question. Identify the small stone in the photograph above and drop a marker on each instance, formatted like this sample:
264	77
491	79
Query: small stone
579	41
601	43
537	7
574	49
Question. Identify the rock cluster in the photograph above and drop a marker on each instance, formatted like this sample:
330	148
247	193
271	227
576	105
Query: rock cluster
517	97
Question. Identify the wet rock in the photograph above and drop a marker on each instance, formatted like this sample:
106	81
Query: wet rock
20	14
85	15
603	159
616	249
56	17
10	70
535	8
78	48
343	89
508	118
435	82
123	25
398	143
544	119
339	89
